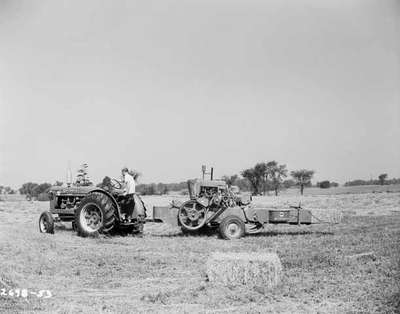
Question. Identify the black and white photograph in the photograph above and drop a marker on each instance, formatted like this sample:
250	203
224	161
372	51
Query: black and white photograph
199	156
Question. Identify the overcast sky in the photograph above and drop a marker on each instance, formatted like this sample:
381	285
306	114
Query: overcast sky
166	86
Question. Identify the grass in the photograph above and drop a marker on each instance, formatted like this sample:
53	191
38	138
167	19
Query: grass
165	271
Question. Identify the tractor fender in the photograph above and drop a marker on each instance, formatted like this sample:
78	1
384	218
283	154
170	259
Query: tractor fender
112	199
232	211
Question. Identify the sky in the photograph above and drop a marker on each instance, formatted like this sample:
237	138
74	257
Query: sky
166	86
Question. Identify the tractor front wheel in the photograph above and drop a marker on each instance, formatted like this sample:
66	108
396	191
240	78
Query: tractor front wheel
46	223
95	215
231	227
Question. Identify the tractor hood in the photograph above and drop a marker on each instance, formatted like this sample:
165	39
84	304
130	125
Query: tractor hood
73	190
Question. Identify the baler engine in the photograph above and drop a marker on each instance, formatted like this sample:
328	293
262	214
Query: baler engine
208	199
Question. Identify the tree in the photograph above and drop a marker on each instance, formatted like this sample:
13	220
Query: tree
257	177
288	183
28	188
41	188
243	184
276	173
8	190
382	178
34	189
302	177
82	178
230	180
250	175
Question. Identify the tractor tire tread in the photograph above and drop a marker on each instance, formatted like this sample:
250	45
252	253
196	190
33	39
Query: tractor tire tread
105	204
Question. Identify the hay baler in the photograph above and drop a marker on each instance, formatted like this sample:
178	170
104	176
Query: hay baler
214	205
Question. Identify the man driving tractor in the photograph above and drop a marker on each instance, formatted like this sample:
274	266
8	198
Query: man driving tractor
132	200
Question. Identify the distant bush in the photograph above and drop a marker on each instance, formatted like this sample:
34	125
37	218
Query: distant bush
324	184
43	197
327	184
6	190
34	189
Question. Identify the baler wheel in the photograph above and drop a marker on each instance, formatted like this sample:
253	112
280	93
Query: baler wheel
231	227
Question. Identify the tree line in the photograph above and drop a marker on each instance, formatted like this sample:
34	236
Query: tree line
149	189
6	190
260	179
381	180
36	190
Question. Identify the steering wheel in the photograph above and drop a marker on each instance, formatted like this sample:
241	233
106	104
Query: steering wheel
115	184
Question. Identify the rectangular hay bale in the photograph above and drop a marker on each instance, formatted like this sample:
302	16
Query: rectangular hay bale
250	269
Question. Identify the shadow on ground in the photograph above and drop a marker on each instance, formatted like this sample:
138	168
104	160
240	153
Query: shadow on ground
261	234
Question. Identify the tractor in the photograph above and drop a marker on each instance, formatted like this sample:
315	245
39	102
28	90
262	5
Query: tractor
92	210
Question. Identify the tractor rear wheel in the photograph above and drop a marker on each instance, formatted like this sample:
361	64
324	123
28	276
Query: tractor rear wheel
231	227
95	215
46	223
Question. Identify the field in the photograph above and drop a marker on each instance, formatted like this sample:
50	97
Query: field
164	271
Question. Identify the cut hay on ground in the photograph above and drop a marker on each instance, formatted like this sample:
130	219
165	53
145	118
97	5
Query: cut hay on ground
332	216
250	269
366	256
5	281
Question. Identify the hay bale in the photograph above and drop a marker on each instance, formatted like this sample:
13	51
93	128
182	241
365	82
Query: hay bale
333	216
366	256
250	269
